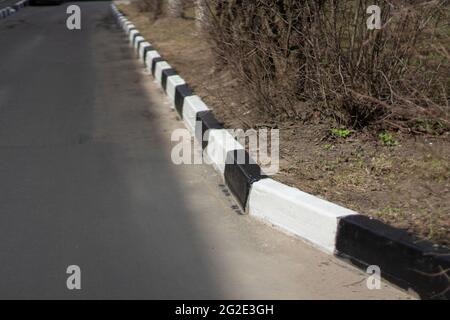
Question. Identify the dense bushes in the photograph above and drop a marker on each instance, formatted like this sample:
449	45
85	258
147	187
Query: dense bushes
308	55
303	57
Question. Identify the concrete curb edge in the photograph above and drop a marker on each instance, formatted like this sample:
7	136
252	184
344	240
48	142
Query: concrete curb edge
7	11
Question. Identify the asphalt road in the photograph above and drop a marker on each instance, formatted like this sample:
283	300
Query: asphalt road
86	179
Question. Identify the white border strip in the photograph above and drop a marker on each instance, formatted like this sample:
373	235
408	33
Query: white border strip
297	212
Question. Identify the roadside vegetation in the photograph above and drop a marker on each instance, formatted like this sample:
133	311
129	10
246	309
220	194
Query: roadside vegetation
364	115
297	57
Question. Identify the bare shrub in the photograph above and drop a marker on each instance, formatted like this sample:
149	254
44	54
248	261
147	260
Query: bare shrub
298	56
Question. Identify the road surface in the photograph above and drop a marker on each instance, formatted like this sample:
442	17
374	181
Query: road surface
86	179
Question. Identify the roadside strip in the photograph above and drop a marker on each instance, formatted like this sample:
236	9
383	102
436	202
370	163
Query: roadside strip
363	241
6	12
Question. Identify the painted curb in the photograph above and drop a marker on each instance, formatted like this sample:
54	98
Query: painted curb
7	11
240	173
298	212
192	107
403	259
334	229
160	66
170	81
208	123
182	92
220	142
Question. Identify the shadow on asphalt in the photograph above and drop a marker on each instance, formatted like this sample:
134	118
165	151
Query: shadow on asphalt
85	170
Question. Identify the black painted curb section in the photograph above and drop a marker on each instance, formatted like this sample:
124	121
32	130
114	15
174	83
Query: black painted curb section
154	62
403	259
165	74
208	122
182	91
241	172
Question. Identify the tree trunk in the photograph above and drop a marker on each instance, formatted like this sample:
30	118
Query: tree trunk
201	11
175	8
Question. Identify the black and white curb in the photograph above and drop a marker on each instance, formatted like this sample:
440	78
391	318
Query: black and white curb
420	266
6	12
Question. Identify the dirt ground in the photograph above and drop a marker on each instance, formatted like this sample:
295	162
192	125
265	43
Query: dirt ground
403	180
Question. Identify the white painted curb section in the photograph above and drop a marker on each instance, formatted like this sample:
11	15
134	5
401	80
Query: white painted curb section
131	36
122	21
160	66
144	45
149	59
126	23
128	27
297	212
171	84
191	106
220	141
136	42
